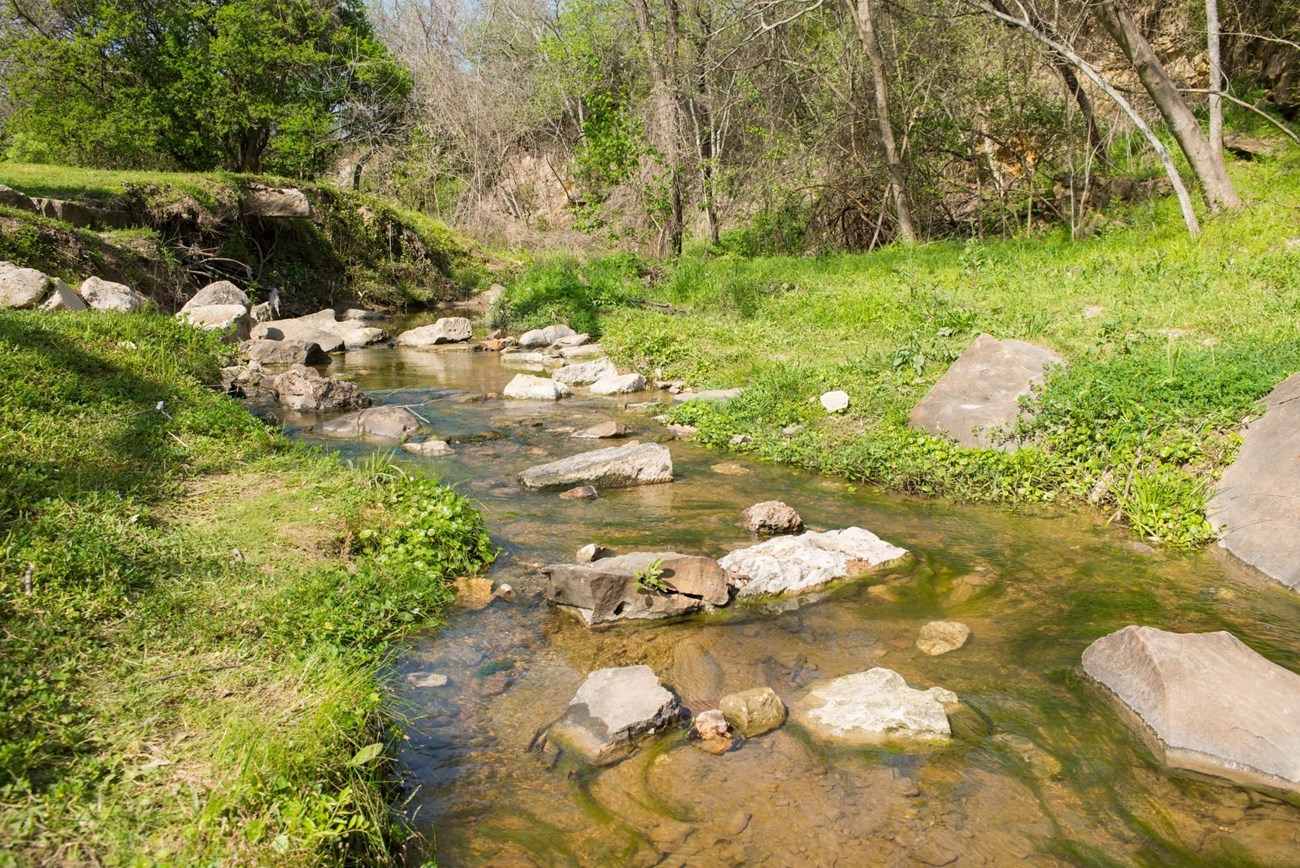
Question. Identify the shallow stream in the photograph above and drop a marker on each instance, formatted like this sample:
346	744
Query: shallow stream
1041	769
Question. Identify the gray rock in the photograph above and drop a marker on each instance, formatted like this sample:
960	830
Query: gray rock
377	425
428	447
590	552
529	388
221	292
275	202
874	707
365	336
63	297
612	712
11	198
618	384
604	431
571	341
608	590
303	388
448	330
979	396
545	337
708	395
754	712
361	314
584	351
1255	507
613	467
286	352
797	564
1205	702
835	402
581	373
940	637
218	317
21	287
772	517
105	295
320	328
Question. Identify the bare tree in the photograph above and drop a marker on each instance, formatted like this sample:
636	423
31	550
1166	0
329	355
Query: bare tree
666	101
1216	77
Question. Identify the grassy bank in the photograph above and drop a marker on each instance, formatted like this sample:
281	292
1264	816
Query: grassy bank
194	613
1171	342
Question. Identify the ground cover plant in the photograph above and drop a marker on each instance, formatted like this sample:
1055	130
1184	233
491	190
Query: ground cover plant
195	614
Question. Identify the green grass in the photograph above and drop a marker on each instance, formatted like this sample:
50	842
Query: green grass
194	613
1171	343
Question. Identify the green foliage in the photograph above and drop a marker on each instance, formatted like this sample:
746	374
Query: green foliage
564	293
652	577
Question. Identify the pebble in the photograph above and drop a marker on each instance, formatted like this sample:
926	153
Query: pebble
582	492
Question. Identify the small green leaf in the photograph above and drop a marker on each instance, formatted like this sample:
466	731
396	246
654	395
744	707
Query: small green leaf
366	754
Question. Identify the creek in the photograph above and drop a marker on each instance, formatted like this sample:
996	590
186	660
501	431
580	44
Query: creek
1041	770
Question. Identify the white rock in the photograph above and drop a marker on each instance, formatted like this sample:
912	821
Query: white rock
21	287
106	295
571	341
618	384
940	637
448	330
795	564
835	402
63	297
614	467
581	373
585	351
529	388
428	447
874	707
222	292
217	316
545	337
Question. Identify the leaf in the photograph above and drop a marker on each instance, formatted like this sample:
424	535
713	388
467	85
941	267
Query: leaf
366	754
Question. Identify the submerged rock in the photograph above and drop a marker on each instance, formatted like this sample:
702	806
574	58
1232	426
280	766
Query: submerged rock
528	388
612	712
696	675
618	384
582	492
611	589
940	637
1255	507
612	467
795	564
106	295
874	707
303	388
448	330
428	448
979	395
754	712
772	517
377	425
604	431
1205	702
581	373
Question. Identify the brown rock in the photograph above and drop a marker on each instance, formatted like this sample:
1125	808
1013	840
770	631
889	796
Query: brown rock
772	517
604	431
582	492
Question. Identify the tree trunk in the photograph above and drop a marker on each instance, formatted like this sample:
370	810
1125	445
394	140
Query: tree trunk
1216	78
871	44
666	100
1095	143
1215	184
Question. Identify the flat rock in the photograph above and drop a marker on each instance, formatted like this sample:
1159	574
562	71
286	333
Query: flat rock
287	352
448	330
612	712
1255	507
940	637
612	467
303	388
21	287
377	425
62	297
772	517
106	295
708	395
835	402
525	387
1205	702
874	707
618	384
581	373
571	341
979	395
319	328
796	564
361	314
584	351
608	590
364	336
218	317
428	447
604	431
221	292
753	712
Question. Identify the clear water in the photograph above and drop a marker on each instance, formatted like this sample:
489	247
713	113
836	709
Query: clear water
1041	769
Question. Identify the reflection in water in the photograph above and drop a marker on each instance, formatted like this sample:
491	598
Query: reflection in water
1041	769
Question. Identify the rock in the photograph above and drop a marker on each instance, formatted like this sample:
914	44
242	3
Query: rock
426	680
711	733
590	552
612	712
76	213
1205	701
604	431
581	373
62	298
377	425
835	402
221	292
261	312
11	198
683	431
585	351
618	384
505	593
582	492
545	337
874	707
448	330
287	352
218	317
319	328
795	564
275	202
361	314
571	341
612	467
366	336
608	590
1255	507
740	440
303	388
940	637
21	287
772	517
528	388
754	712
105	295
731	468
979	395
1040	762
428	447
496	345
708	395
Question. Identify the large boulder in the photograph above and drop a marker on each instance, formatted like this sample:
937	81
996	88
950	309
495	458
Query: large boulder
545	337
385	425
529	388
1255	507
286	352
106	295
448	330
320	328
62	297
364	336
276	202
612	712
618	384
612	467
611	589
21	287
581	373
1205	702
874	707
303	388
218	316
222	292
979	396
797	564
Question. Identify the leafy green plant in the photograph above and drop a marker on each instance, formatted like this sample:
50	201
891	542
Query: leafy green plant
652	577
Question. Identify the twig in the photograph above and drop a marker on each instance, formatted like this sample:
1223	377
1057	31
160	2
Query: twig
1241	102
179	440
27	579
203	671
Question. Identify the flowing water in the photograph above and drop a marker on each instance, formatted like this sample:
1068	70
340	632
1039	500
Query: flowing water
1041	769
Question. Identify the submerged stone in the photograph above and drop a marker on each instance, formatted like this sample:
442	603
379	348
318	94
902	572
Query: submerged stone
612	467
754	712
940	637
874	707
612	712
